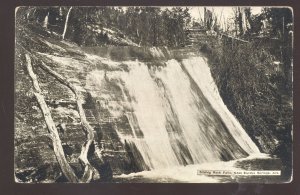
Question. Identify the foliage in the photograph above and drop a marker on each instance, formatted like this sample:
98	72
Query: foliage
149	26
279	20
253	89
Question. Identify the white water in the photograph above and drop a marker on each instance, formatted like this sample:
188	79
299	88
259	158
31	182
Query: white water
198	68
147	107
183	100
176	114
189	173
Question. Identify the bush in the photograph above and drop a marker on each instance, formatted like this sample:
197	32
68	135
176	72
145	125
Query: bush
250	87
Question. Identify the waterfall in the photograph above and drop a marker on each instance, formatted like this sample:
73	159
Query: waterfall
198	69
175	113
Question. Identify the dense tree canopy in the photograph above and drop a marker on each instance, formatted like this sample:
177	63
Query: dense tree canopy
149	26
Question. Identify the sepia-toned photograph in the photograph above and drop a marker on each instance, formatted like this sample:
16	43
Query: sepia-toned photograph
147	94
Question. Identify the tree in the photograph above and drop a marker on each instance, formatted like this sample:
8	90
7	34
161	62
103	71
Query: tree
255	22
278	18
66	23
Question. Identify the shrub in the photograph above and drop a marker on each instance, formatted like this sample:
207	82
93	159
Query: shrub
252	89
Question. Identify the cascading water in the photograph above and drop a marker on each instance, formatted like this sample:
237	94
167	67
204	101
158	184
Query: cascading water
175	113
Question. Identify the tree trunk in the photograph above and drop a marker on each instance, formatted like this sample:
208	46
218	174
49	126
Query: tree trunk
240	21
57	146
205	18
89	170
66	23
45	23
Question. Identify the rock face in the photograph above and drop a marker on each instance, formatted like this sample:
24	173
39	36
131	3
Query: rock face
34	157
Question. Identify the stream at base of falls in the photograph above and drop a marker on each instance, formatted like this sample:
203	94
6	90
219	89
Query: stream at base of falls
195	173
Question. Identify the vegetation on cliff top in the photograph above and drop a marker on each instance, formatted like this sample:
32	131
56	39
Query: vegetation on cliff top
96	26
